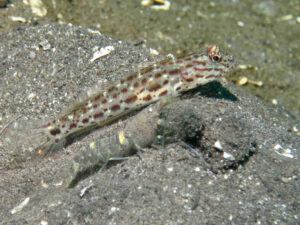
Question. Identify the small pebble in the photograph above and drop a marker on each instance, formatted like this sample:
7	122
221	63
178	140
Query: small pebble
157	4
274	101
242	81
240	23
218	145
286	17
295	129
154	51
32	54
45	45
19	207
38	8
102	52
18	19
242	67
228	156
44	222
170	169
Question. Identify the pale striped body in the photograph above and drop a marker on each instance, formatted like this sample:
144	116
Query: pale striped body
166	78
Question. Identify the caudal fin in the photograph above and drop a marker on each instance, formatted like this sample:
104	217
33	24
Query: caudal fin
27	137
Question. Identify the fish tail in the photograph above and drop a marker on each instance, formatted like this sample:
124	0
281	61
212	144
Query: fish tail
29	137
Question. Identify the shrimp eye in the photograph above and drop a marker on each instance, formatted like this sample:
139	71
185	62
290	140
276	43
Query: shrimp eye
216	58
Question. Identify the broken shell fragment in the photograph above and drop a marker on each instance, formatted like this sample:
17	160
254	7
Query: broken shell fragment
228	156
244	80
38	8
157	4
18	19
218	145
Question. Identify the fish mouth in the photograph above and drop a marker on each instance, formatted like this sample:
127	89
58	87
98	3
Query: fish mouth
229	63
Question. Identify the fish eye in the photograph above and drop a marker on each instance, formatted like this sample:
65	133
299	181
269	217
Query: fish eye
216	58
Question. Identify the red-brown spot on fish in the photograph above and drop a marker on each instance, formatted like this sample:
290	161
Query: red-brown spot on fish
136	84
95	106
73	125
163	93
131	99
131	77
124	90
189	65
98	115
98	97
104	101
147	98
110	89
154	87
85	120
158	75
143	89
115	107
174	72
147	70
144	81
84	110
202	69
199	62
218	69
115	95
210	76
165	82
189	79
199	76
55	131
